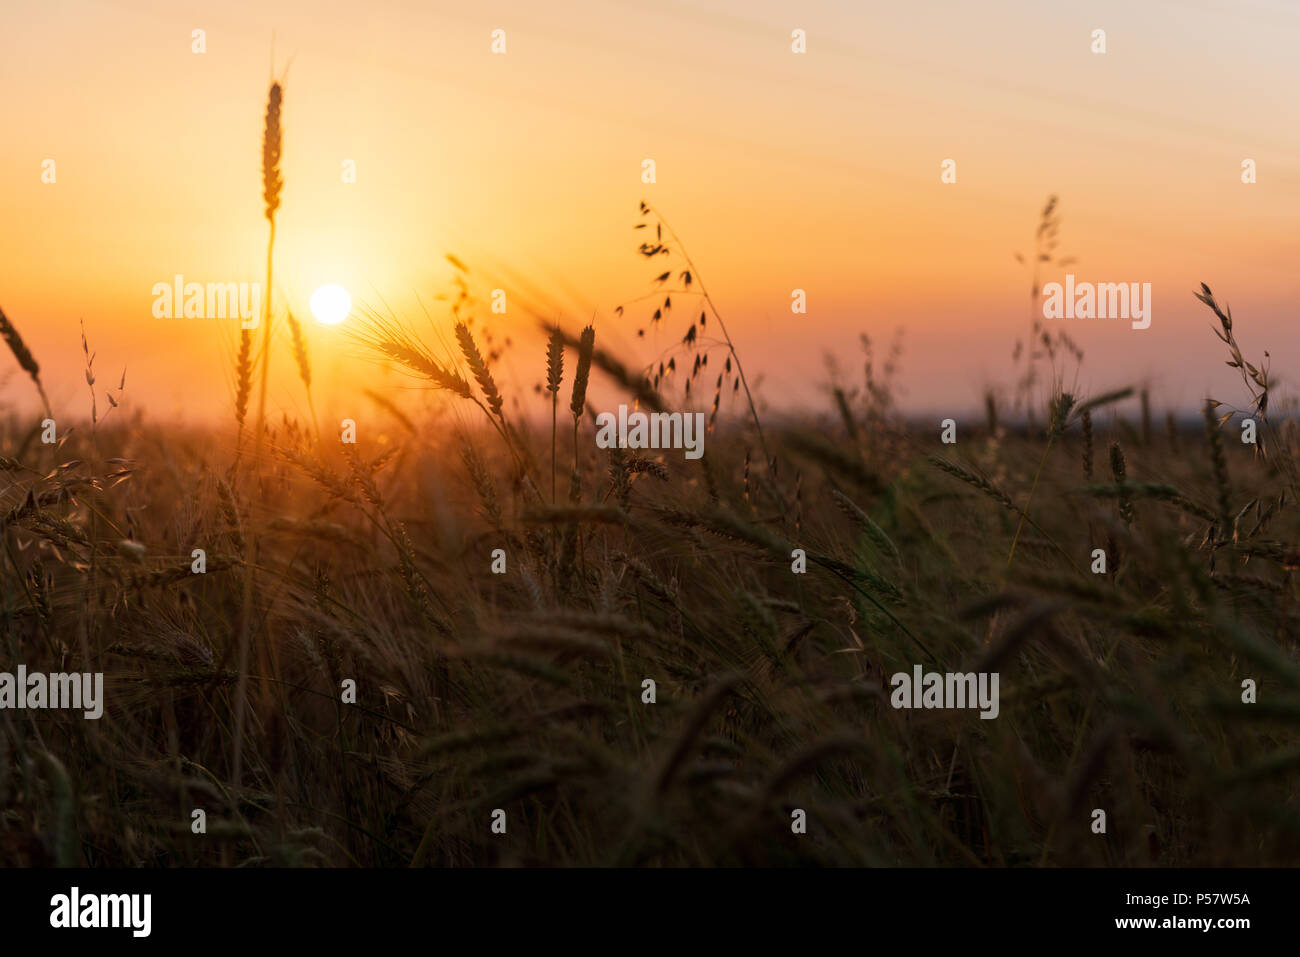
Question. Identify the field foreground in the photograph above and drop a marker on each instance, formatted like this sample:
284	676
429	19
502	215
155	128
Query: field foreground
394	692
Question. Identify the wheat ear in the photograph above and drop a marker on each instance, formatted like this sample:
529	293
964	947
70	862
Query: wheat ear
24	356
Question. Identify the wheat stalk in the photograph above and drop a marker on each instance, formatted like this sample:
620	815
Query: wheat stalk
1120	472
483	485
578	400
394	342
554	376
24	356
303	361
272	185
1219	465
1086	420
872	530
482	374
243	383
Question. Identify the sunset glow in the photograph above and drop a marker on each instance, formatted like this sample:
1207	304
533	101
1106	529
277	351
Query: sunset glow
818	172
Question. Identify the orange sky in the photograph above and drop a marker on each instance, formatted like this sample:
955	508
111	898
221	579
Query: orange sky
780	171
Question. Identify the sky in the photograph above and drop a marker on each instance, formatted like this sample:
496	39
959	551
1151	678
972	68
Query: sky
779	171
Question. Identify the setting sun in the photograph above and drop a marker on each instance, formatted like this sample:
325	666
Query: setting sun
331	304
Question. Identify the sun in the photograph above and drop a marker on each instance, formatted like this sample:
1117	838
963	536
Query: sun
331	304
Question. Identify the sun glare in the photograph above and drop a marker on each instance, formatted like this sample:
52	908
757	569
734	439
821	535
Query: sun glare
331	304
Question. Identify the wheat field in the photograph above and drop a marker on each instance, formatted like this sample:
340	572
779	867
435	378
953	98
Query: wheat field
500	644
524	692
